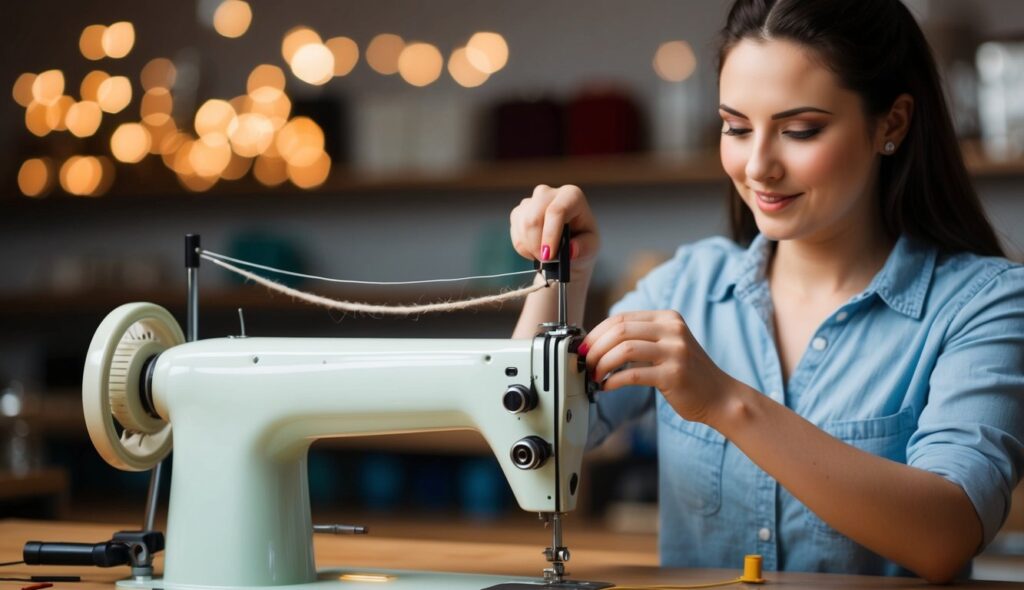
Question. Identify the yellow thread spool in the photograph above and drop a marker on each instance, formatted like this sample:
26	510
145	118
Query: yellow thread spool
752	570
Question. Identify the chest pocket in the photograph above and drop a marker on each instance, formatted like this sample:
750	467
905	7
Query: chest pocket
691	456
886	437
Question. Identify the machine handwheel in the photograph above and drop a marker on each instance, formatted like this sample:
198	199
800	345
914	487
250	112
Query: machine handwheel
127	338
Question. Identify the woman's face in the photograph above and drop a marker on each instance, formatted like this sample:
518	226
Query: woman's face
797	145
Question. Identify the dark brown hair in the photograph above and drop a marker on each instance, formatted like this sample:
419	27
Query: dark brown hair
878	51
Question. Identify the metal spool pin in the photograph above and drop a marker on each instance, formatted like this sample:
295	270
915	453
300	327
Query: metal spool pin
192	245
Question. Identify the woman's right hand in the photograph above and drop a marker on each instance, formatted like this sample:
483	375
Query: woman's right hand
536	227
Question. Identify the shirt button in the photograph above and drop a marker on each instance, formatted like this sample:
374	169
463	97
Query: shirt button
819	343
764	534
841	316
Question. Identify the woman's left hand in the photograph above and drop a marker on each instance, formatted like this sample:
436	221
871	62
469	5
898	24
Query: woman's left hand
661	353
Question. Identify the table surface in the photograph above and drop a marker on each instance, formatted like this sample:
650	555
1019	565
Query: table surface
622	567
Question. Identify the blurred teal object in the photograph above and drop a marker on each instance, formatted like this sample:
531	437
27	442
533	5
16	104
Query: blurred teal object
495	255
432	484
271	250
483	491
381	481
325	477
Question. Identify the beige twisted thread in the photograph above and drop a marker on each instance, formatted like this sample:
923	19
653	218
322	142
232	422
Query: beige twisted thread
356	307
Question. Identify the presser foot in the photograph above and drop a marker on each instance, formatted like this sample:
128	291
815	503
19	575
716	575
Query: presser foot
557	556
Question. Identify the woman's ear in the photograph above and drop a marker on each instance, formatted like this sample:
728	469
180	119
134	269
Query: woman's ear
893	127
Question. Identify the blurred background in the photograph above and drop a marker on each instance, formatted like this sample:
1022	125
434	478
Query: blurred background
386	141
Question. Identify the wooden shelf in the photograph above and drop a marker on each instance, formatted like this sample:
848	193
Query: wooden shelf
40	482
152	182
642	169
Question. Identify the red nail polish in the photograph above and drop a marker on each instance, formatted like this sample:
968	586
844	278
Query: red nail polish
545	252
583	348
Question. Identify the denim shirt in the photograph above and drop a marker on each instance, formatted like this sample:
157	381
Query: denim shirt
924	367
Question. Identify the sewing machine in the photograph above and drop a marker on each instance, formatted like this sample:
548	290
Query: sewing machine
245	411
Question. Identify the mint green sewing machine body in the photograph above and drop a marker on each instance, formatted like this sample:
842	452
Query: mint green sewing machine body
244	412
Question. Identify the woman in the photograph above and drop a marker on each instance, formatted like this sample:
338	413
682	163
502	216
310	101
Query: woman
843	390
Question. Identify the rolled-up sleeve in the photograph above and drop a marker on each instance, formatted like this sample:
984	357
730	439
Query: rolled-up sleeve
971	429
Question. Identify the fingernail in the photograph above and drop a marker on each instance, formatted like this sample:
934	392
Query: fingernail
583	348
545	252
574	250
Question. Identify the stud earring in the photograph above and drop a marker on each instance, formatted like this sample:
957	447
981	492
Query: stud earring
889	148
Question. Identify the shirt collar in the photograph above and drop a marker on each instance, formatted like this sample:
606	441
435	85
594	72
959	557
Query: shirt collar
902	283
904	280
745	272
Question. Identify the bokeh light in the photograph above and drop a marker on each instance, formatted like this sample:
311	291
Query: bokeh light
312	175
90	43
487	51
463	72
81	175
181	161
271	103
214	117
56	112
300	141
35	177
270	170
237	168
210	154
156	106
118	39
296	38
251	134
346	54
106	176
265	76
420	64
114	94
382	53
674	61
240	103
232	18
35	119
158	73
130	143
197	184
48	87
169	146
313	63
90	88
159	134
84	118
22	90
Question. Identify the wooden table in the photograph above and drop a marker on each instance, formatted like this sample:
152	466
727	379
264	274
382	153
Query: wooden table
622	567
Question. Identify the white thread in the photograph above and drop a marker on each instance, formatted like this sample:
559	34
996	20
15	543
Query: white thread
207	254
356	307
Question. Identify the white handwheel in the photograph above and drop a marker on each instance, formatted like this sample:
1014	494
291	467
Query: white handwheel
128	337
